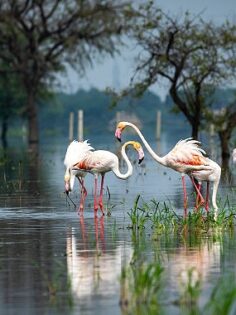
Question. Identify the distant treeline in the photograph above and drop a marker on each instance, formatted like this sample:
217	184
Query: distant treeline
100	116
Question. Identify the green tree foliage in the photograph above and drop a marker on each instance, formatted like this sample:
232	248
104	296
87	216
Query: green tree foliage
182	50
193	56
39	38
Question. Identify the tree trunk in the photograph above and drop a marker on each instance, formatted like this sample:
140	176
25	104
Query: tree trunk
195	128
4	131
193	120
33	131
225	153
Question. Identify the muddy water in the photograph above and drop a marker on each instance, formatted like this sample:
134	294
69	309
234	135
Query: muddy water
54	261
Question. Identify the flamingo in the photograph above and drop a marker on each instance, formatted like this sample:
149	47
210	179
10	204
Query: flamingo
75	152
100	162
186	158
208	176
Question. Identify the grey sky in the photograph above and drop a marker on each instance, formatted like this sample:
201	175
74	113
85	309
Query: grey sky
117	72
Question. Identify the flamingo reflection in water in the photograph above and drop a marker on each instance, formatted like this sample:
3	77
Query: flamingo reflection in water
193	265
93	265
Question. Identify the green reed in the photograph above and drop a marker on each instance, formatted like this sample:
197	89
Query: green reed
223	297
13	185
161	217
58	284
137	215
143	291
141	284
190	286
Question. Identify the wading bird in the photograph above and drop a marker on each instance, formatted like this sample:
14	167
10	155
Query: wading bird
75	152
186	158
212	175
100	162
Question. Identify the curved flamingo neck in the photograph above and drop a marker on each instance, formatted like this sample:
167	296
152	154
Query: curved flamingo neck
128	163
215	188
156	157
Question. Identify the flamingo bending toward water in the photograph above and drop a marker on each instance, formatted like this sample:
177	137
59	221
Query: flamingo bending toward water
187	158
100	162
75	152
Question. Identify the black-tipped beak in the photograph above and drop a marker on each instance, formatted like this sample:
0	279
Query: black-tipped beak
140	160
118	134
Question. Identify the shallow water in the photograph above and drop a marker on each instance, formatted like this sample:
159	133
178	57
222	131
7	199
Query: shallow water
54	261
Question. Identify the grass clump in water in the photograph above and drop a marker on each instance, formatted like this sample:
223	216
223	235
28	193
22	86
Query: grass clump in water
162	217
223	297
140	288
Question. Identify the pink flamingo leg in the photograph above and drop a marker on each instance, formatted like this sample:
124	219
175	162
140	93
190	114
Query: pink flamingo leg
83	194
102	233
101	194
99	232
198	199
95	193
199	195
83	231
185	196
207	197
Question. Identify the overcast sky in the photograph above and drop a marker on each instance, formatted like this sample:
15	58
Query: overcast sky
117	72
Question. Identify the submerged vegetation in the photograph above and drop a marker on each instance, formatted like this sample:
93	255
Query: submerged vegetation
161	217
198	237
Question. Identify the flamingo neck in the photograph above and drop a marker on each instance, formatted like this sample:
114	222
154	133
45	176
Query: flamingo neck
128	163
214	193
156	157
69	174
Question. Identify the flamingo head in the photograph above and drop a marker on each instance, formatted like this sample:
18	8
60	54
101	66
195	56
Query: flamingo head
120	127
139	149
137	146
67	183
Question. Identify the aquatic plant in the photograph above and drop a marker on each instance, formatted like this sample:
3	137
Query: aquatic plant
137	215
162	217
223	297
58	284
190	286
140	285
16	184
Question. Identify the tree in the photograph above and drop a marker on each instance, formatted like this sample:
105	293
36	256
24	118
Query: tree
12	101
39	38
224	121
183	50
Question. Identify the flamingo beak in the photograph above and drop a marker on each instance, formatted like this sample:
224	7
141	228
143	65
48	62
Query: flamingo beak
140	160
118	134
140	156
67	188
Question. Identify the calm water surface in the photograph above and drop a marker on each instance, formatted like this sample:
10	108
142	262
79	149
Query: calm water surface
54	261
